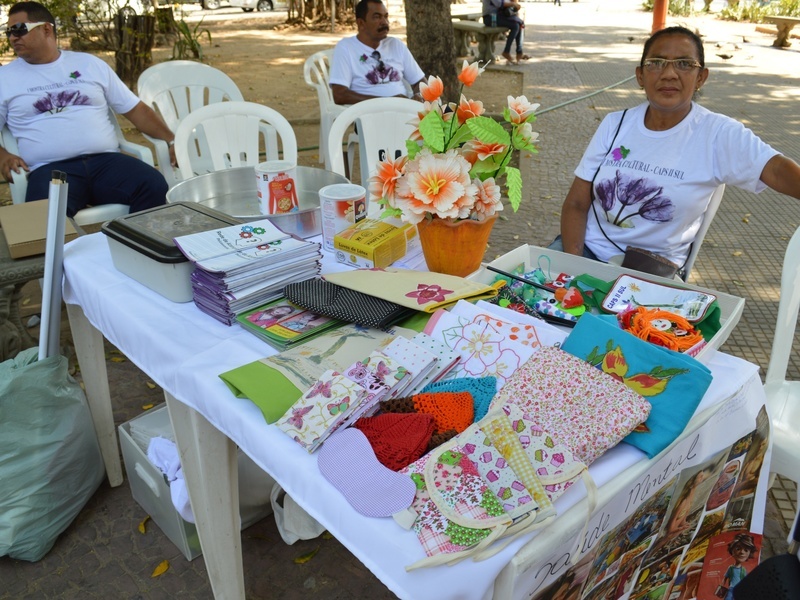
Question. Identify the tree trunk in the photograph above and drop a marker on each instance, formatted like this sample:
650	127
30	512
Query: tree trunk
430	39
135	38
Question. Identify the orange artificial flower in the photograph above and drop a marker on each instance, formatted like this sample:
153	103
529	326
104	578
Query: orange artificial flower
469	73
474	150
382	184
520	109
468	109
438	184
431	90
487	200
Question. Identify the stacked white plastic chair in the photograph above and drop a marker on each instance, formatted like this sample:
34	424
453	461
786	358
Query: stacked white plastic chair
783	397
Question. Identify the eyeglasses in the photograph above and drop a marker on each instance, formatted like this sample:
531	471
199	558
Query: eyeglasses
377	56
20	29
683	65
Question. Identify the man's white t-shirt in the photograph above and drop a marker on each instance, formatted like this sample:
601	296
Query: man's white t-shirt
59	110
374	72
653	187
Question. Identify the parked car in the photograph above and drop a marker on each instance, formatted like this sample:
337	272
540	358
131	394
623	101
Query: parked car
251	5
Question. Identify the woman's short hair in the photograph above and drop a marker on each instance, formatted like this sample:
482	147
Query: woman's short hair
676	30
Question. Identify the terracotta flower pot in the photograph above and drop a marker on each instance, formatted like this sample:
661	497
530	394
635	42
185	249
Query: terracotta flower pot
454	247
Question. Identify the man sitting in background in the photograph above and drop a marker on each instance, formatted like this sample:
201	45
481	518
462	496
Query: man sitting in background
55	102
372	64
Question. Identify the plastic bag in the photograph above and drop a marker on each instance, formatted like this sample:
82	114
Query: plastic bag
293	522
50	462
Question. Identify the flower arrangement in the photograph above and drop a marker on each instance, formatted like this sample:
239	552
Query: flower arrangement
455	158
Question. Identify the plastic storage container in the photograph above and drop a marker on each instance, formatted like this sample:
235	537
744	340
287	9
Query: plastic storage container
151	490
142	248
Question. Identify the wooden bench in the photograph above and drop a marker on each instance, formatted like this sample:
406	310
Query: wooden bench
485	35
785	26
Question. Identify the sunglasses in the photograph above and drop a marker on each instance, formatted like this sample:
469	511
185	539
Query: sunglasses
21	29
377	56
681	64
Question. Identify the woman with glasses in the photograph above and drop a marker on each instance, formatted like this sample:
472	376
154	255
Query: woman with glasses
648	174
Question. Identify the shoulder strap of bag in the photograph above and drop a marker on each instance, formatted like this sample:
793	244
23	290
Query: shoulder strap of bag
591	186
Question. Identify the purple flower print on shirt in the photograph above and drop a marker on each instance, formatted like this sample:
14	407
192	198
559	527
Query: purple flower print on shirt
55	103
382	74
75	74
640	193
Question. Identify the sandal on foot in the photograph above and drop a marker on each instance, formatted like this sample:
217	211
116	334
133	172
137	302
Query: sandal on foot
522	57
509	58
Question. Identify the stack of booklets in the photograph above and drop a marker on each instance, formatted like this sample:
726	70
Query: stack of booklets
284	325
241	267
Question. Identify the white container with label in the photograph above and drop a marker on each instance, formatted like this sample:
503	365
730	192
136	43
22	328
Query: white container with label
342	205
277	187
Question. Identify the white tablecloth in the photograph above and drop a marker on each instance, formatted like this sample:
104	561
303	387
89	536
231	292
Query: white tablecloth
183	350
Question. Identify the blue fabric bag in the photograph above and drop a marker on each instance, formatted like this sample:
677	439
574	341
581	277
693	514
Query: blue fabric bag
673	383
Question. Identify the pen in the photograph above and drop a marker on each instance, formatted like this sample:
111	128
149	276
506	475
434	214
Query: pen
522	279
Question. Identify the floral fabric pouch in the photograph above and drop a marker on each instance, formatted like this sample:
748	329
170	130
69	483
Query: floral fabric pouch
419	290
581	407
319	410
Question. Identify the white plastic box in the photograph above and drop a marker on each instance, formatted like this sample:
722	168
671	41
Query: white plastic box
151	490
142	248
731	307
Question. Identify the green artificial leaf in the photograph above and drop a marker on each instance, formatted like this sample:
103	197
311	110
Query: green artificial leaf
432	130
488	131
391	212
461	135
413	148
514	183
483	166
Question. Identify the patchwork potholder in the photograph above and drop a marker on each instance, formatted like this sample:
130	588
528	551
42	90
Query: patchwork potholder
672	382
331	300
418	290
580	406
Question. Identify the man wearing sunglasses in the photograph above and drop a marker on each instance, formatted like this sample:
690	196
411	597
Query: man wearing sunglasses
371	64
55	102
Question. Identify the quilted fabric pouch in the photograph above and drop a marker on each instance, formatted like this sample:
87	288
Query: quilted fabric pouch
331	300
418	290
578	405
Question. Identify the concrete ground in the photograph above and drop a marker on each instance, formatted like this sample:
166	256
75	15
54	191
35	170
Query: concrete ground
578	49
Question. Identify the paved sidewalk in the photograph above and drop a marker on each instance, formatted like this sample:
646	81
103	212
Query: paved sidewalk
577	49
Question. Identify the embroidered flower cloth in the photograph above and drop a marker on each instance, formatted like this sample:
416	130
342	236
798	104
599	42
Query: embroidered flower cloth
674	383
420	290
331	300
580	406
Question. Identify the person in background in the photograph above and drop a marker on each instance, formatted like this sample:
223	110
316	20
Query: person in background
505	13
371	64
648	174
55	102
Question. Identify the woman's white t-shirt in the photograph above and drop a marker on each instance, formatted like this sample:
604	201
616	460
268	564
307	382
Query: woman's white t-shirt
653	187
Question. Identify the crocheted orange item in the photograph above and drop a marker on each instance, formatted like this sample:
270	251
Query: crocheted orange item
450	410
661	327
397	439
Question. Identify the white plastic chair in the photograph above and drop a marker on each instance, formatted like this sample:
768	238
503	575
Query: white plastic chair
383	128
713	205
91	214
783	397
233	131
174	89
316	71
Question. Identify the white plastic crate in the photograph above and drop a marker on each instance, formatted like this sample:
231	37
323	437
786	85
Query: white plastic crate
151	490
